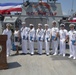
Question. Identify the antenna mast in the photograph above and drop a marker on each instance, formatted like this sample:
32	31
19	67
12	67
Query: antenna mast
72	7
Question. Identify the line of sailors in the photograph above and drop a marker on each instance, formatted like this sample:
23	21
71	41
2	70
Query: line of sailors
53	35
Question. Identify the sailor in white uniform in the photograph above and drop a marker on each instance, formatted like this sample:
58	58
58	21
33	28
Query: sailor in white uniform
47	38
24	37
62	34
74	52
54	34
72	37
31	36
8	32
40	37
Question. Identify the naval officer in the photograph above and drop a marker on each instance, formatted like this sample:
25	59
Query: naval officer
47	38
24	38
31	37
8	32
74	52
62	34
72	37
54	34
40	37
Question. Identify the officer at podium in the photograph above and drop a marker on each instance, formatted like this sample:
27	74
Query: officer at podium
8	32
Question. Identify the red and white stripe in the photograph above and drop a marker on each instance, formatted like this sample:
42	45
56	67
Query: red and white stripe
73	20
10	8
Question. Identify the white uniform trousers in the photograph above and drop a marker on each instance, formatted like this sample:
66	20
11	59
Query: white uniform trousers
24	46
47	47
71	47
74	51
31	47
62	46
40	43
55	46
8	46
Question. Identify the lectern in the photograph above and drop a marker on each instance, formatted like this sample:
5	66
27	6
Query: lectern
3	59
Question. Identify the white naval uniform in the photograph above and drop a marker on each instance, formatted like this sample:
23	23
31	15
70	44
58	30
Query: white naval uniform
40	37
16	35
47	39
63	34
24	37
31	36
54	32
72	36
8	43
74	52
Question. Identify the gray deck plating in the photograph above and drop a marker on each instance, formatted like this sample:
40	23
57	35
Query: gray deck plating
40	65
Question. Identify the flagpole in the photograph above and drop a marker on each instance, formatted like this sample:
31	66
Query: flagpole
72	7
23	1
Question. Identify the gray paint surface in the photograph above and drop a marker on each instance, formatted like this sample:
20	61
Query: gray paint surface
39	65
53	8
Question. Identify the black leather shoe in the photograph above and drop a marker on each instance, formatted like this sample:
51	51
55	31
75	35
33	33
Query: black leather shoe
23	53
40	54
31	54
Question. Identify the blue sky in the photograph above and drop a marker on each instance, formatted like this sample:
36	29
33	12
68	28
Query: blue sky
66	4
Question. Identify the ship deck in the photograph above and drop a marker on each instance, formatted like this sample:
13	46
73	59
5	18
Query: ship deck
39	65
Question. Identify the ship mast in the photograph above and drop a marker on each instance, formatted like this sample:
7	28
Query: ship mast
72	7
